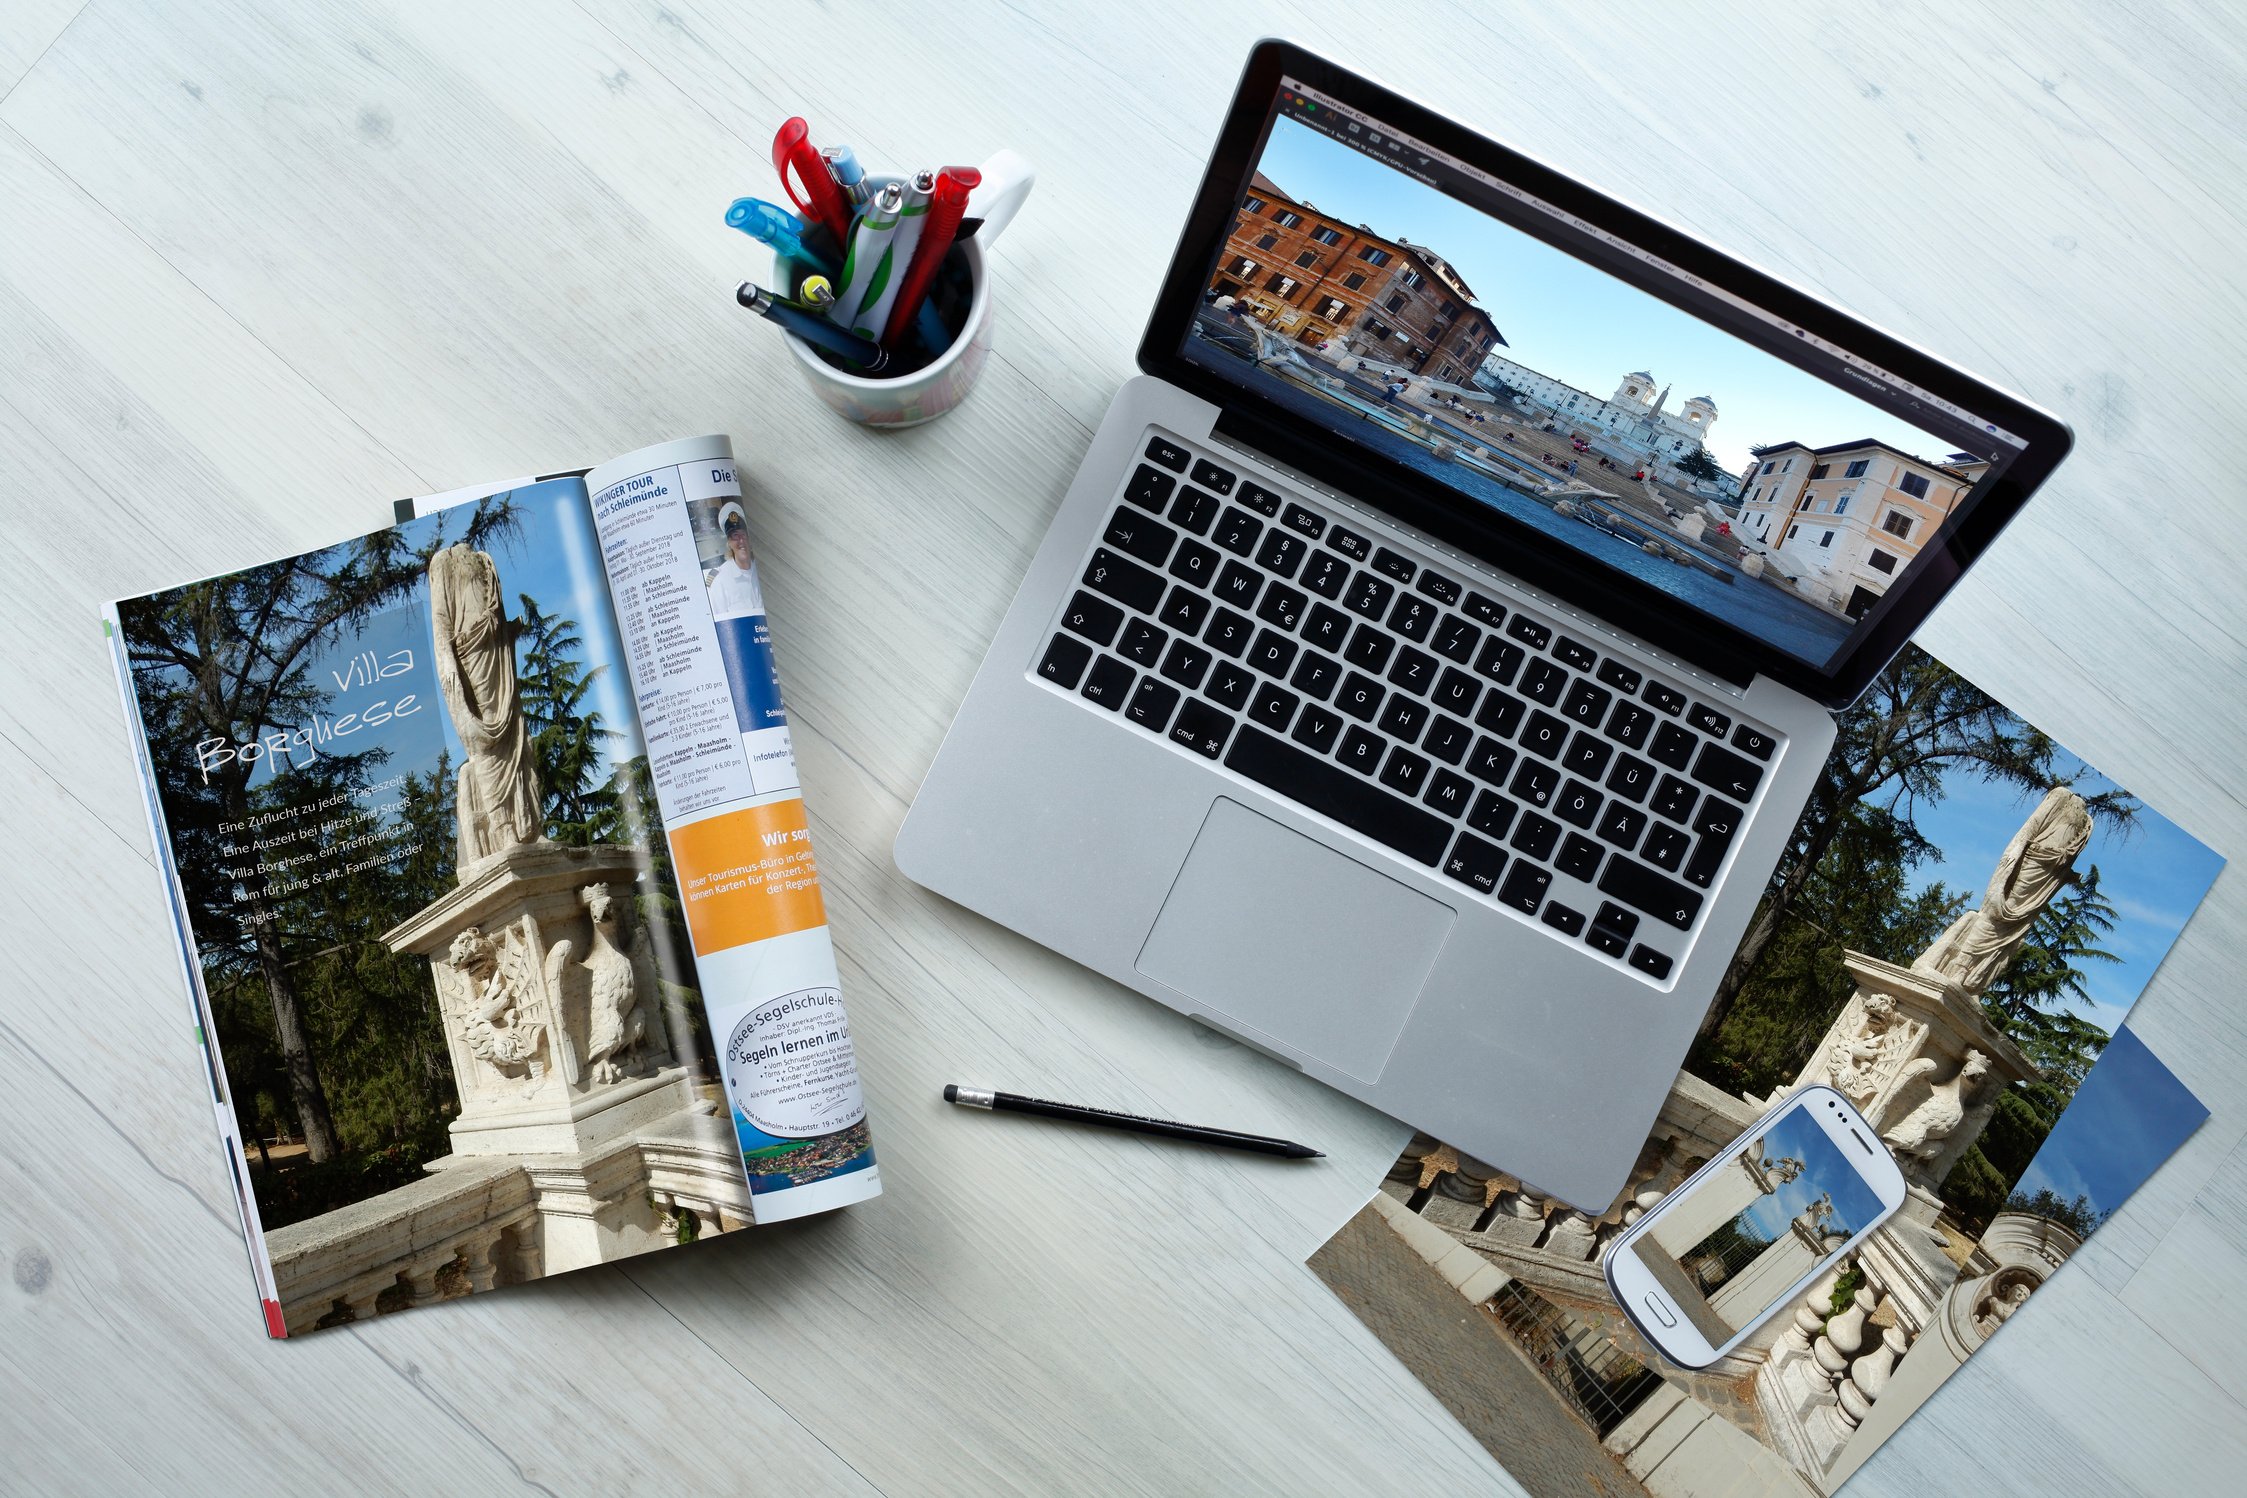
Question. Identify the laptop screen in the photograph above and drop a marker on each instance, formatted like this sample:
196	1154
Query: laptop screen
1405	300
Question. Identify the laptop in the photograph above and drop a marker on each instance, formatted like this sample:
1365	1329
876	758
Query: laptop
1428	664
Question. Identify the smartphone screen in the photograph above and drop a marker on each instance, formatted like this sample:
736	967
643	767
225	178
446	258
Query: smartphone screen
1750	1230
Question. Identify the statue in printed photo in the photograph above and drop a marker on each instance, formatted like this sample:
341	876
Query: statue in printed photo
499	801
2036	865
616	1019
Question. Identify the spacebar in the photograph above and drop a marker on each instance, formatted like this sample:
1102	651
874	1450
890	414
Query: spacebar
1332	791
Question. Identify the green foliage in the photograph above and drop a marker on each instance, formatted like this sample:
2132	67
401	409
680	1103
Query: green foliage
1845	1291
2079	1216
568	740
2047	972
300	1189
1698	464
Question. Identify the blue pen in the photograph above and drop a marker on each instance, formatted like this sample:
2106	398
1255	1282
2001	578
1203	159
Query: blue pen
849	175
776	226
813	329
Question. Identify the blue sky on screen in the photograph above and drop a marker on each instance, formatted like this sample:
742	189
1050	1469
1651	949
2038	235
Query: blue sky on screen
1576	323
2154	874
1824	1170
2129	1115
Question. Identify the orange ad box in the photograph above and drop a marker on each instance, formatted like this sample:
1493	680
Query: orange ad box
747	876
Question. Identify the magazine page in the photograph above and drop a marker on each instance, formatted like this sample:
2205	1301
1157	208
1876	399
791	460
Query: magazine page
1967	915
677	541
437	961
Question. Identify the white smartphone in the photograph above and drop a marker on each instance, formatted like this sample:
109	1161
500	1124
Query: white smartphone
1748	1232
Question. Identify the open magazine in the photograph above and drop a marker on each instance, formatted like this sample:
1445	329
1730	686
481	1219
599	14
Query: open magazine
488	863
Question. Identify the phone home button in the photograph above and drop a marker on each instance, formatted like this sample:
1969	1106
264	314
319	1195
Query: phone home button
1661	1311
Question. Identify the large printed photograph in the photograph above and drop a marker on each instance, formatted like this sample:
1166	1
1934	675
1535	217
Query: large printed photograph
447	970
1961	923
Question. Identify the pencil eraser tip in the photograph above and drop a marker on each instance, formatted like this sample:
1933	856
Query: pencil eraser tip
951	1092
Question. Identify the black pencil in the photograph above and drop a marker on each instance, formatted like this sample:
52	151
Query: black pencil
1009	1102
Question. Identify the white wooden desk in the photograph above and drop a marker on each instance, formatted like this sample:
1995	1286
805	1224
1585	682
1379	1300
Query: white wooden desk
266	266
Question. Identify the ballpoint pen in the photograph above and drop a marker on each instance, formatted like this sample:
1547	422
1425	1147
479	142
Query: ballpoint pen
771	224
812	328
869	265
821	200
947	201
816	292
849	175
1133	1123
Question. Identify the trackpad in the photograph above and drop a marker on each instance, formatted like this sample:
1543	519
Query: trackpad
1316	950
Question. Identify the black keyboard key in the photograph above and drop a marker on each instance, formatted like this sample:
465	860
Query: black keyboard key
1449	793
1404	717
1271	653
1124	580
1631	778
1315	675
1212	477
1456	639
1654	964
1708	857
1238	585
1622	678
1273	707
1562	919
1673	746
1149	488
1501	713
1142	642
1587	756
1360	805
1327	575
1195	563
1229	685
1525	888
1259	499
1151	706
1600	939
1586	703
1281	605
1360	751
1666	699
1360	696
1665	847
1579	857
1456	691
1186	664
1394	565
1304	522
1641	888
1489	610
1544	682
1201	728
1500	659
1708	719
1718	819
1753	741
1094	618
1622	825
1474	862
1545	735
1413	670
1229	633
1281	553
1369	648
1534	782
1349	543
1442	589
1368	595
1184	610
1578	804
1108	682
1193	510
1629	725
1317	728
1167	453
1720	769
1447	740
1490	761
1492	814
1612	917
1575	653
1529	631
1142	536
1405	772
1237	531
1414	618
1064	661
1674	799
1326	628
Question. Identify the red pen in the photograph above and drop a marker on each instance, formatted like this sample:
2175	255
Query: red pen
947	201
821	200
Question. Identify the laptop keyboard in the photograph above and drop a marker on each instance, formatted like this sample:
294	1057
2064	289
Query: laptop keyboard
1567	785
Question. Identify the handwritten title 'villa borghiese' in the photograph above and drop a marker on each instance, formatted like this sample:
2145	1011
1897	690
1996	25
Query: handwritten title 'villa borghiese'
283	746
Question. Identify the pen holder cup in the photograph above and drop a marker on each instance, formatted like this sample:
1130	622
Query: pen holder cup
917	395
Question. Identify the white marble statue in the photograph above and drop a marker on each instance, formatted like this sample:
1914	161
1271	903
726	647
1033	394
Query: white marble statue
494	1025
498	801
2040	860
616	1019
1919	1134
1854	1060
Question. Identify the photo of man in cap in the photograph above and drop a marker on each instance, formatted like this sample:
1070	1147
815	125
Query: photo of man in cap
733	582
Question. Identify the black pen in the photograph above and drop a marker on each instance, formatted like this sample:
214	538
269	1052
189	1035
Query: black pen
1010	1102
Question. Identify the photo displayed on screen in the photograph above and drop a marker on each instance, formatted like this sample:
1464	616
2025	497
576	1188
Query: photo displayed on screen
1360	286
1753	1230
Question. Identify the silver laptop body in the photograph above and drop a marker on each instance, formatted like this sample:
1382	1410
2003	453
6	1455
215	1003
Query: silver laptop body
1429	874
